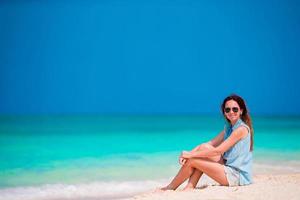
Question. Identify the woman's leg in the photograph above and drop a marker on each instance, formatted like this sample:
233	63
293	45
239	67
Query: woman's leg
196	175
184	173
187	171
194	179
213	169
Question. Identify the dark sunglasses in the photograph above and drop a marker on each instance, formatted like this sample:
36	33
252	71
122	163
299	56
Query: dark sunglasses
234	109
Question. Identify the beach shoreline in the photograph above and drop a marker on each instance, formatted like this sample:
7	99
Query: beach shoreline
271	181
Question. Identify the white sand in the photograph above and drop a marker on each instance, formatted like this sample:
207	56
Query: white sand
273	187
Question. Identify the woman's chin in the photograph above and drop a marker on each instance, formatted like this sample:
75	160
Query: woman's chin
233	119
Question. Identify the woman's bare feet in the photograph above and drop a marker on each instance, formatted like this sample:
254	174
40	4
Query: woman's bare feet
189	186
168	187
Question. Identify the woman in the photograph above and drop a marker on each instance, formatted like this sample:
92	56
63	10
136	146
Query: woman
228	157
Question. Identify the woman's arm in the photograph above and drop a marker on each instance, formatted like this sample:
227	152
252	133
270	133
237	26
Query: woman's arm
217	140
236	135
214	142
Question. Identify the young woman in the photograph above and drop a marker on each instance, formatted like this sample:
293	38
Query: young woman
228	157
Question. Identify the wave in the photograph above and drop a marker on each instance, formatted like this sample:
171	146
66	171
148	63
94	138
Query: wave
95	190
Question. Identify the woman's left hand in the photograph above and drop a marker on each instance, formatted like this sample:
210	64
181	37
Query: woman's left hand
186	154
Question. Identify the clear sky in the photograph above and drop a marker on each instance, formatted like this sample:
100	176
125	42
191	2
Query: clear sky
148	57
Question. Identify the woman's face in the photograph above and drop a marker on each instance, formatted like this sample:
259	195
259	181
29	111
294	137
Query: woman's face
232	111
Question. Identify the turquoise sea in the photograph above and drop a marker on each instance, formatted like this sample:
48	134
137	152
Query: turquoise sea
113	157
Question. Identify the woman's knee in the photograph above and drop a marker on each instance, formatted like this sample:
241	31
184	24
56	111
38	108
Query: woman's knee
191	162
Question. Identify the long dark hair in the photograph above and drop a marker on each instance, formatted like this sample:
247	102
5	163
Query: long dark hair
245	114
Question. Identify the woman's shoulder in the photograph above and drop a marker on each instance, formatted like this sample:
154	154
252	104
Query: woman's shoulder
242	131
243	124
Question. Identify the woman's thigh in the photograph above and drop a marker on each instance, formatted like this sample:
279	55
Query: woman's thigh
213	169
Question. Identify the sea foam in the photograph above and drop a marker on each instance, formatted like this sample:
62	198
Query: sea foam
95	190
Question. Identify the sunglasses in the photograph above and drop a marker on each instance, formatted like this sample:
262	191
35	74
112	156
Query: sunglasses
234	109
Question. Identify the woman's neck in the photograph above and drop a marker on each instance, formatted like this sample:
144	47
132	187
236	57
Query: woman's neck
234	122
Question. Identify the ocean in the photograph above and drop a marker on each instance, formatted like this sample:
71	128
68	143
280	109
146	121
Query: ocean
115	157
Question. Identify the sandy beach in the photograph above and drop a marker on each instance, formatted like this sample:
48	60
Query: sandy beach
283	186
